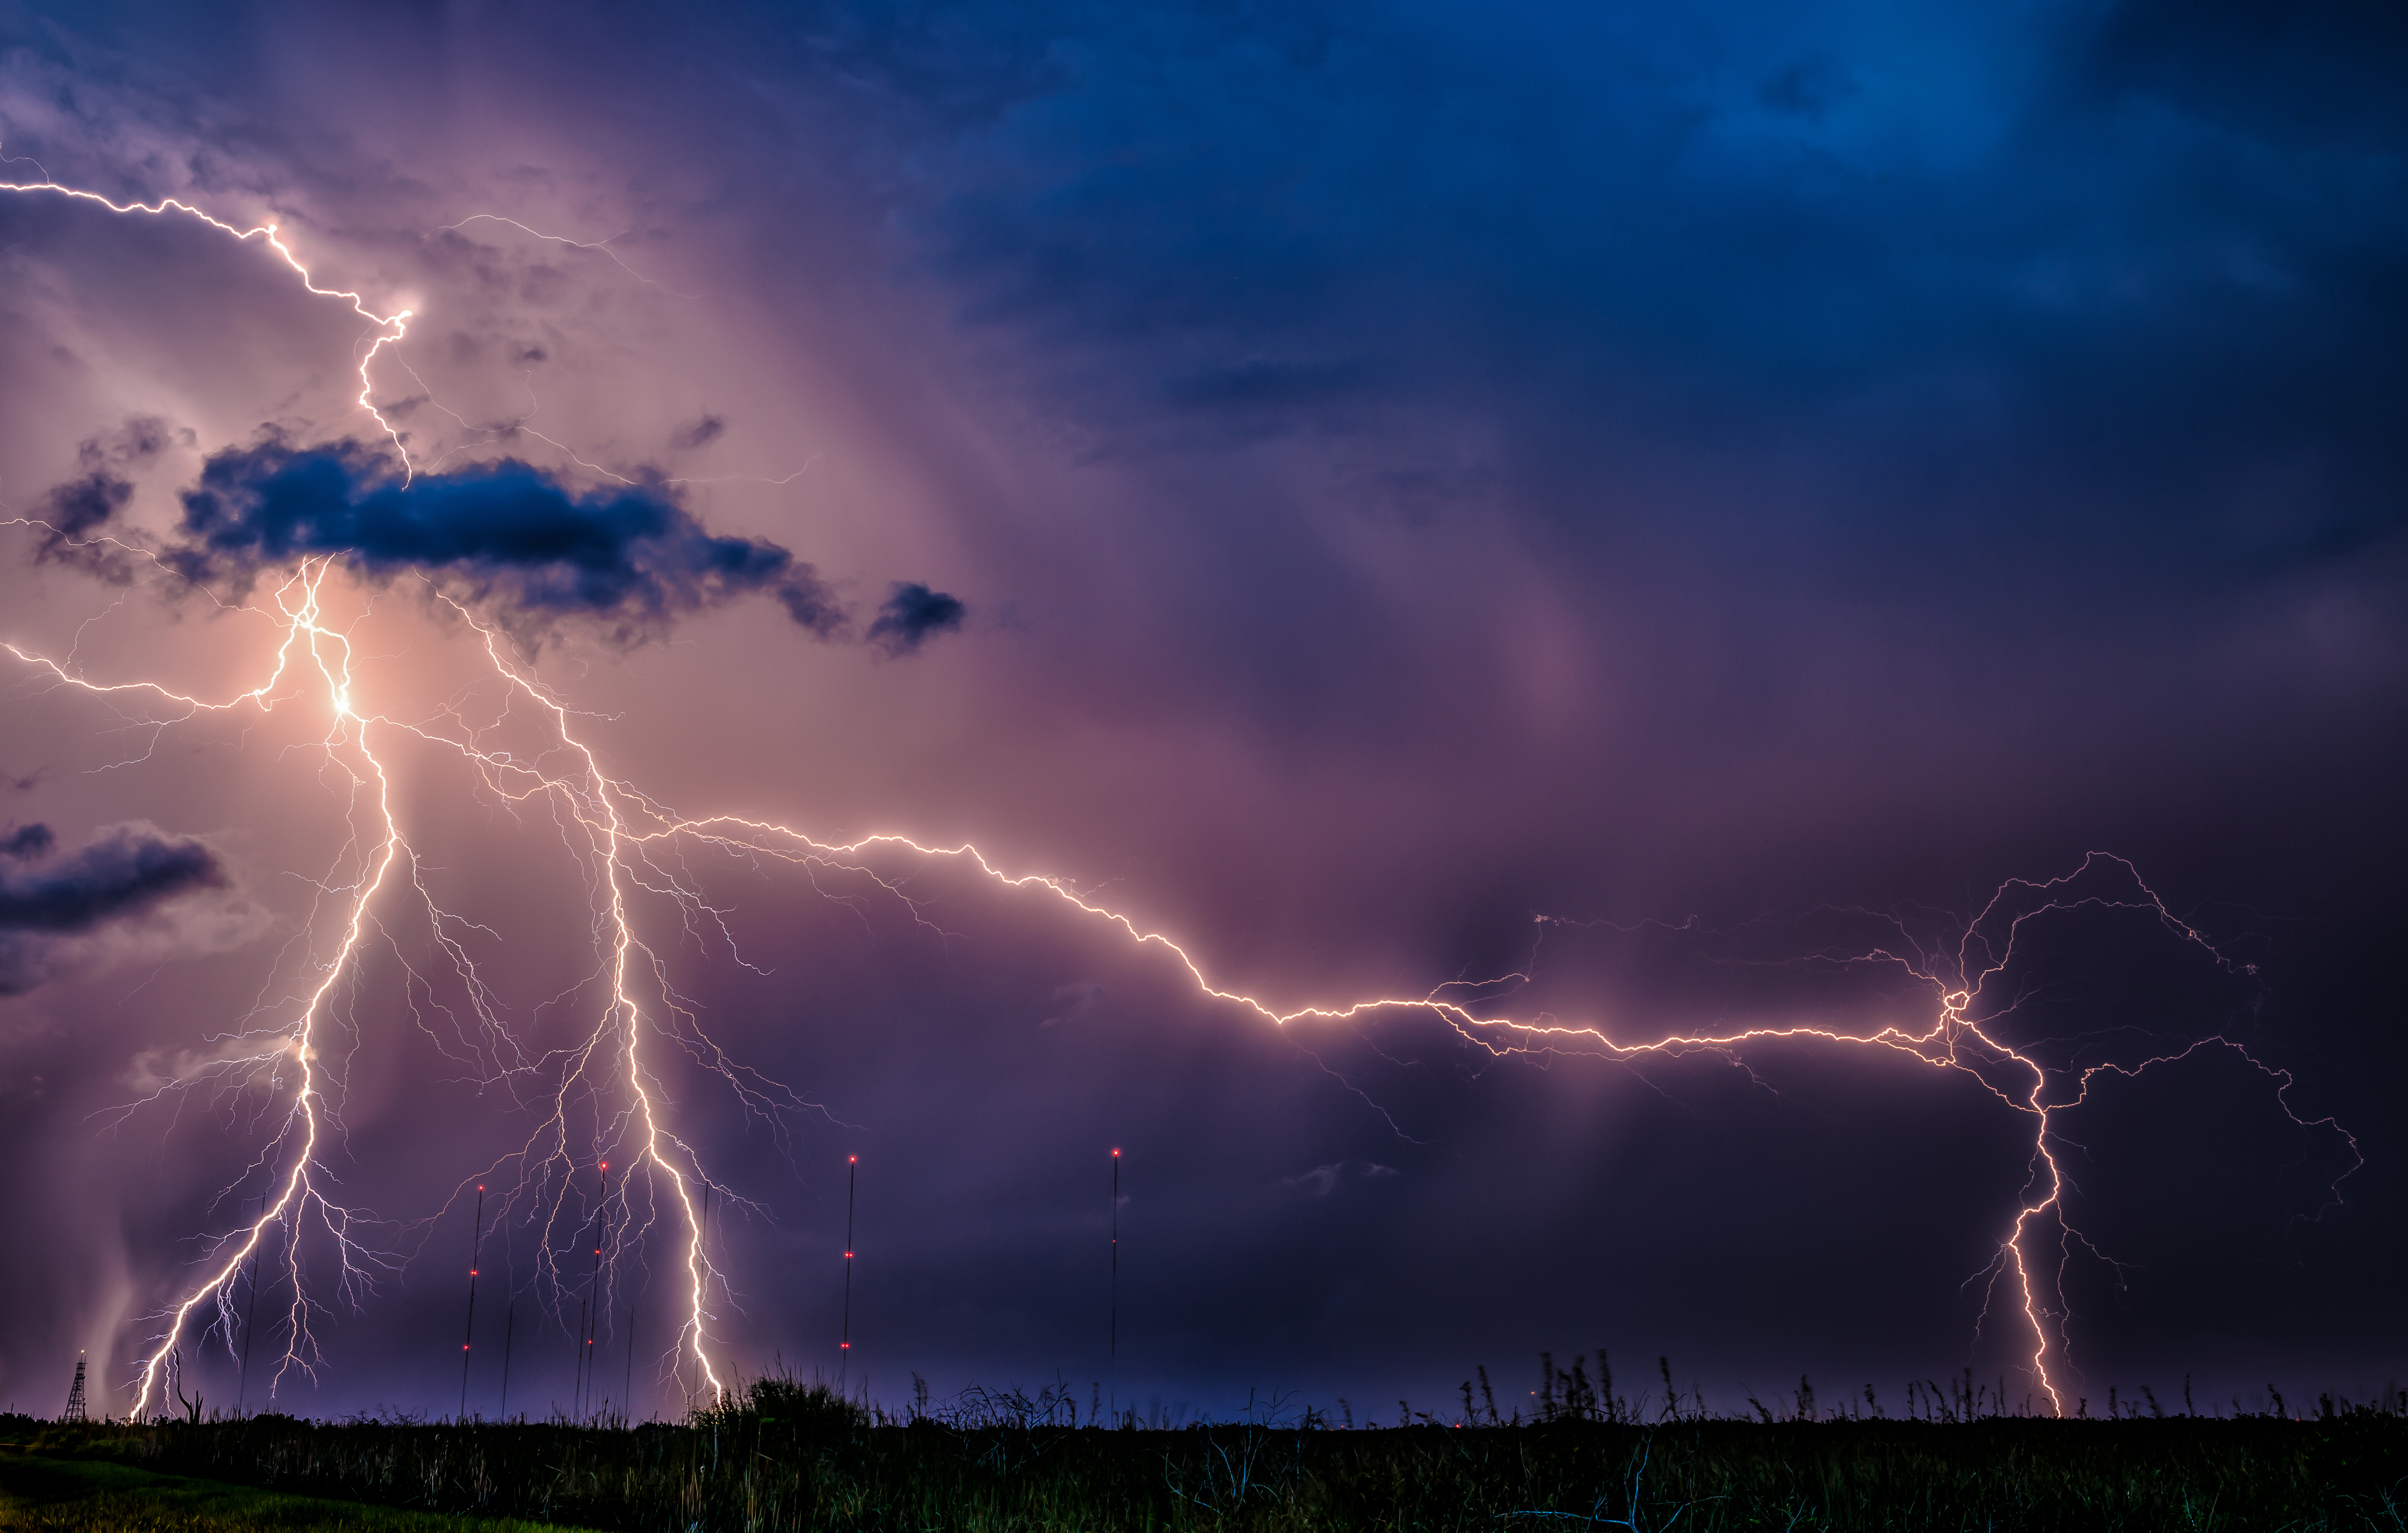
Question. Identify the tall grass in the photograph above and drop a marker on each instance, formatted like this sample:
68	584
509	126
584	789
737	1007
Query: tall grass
798	1456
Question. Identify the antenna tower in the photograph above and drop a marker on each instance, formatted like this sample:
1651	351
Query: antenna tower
74	1411
1114	1368
589	1315
469	1334
844	1344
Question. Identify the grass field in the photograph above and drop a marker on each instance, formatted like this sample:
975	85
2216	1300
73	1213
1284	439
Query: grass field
797	1457
99	1495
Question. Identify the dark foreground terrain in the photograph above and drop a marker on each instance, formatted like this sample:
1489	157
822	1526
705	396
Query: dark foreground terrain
797	1457
40	1494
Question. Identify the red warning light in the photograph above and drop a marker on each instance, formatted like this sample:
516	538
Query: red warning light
853	1160
480	1186
848	1256
1116	1154
606	1165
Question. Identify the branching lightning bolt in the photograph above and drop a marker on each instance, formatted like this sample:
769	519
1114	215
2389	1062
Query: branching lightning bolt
1956	1039
626	841
388	328
590	802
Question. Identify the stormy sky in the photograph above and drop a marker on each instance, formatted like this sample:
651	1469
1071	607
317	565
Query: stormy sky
1658	502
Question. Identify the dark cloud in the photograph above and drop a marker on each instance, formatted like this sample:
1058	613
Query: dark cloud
814	606
120	875
28	841
78	508
139	440
505	535
2118	293
912	614
700	432
2324	71
80	505
124	871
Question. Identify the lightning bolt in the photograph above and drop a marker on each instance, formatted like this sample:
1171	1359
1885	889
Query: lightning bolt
306	640
590	801
626	841
1956	1040
388	329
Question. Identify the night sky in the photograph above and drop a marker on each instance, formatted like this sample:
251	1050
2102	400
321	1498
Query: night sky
1645	509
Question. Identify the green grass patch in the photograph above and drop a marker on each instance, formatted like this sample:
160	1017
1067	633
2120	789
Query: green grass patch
41	1495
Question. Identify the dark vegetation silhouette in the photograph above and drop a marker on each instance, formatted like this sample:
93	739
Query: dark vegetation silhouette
789	1455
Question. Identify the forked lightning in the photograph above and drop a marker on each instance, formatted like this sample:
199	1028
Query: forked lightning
621	829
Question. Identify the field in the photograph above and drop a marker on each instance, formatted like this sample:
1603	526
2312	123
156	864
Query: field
44	1495
798	1457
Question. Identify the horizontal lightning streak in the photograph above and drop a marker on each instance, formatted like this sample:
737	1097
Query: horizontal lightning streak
1945	1044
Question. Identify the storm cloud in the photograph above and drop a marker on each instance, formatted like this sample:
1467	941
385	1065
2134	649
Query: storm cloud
73	510
700	432
80	505
27	841
116	876
912	615
1434	465
509	534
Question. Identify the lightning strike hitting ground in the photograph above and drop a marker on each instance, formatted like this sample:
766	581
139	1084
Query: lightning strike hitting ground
625	844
